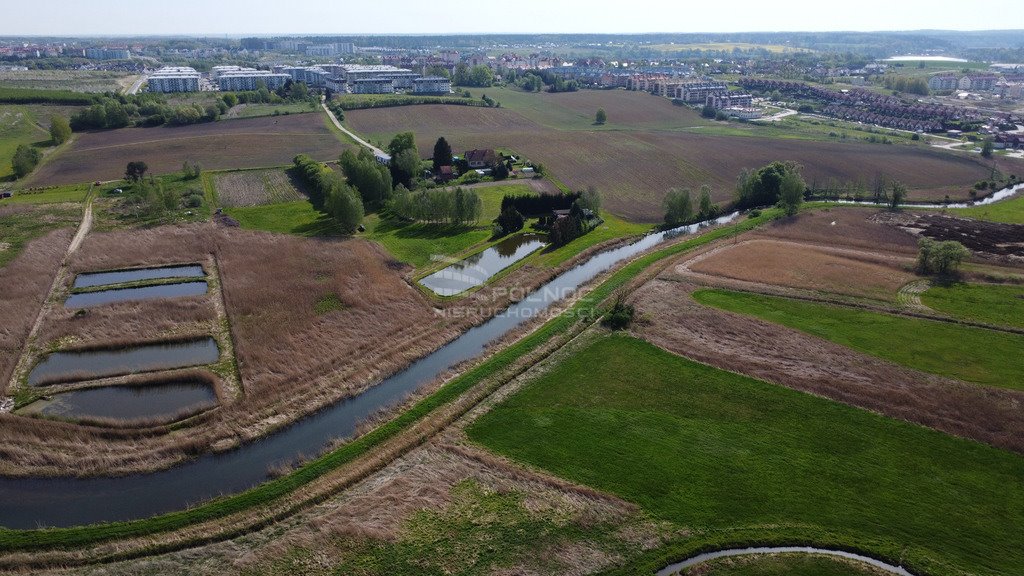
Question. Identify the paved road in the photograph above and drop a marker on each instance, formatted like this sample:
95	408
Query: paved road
374	149
138	84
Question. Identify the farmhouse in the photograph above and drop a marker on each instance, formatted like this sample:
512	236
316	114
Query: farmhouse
484	158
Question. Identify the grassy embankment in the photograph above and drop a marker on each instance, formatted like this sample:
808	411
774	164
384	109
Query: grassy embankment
730	458
1010	211
989	303
970	354
19	227
83	536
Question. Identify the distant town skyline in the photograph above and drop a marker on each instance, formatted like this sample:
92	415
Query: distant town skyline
308	17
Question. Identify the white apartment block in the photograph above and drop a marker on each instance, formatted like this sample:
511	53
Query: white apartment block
174	79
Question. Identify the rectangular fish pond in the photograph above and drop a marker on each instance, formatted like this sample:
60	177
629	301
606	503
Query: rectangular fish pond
76	365
474	270
100	297
91	279
161	401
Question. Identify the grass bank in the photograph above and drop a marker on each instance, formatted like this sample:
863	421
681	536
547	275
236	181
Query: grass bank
1010	211
962	352
713	451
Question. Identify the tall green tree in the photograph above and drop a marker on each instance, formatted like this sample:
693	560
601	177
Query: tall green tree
706	208
897	192
60	129
442	153
405	166
135	171
791	192
401	141
986	149
601	117
678	207
24	160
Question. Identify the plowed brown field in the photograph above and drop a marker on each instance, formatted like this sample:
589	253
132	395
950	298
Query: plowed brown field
634	166
245	143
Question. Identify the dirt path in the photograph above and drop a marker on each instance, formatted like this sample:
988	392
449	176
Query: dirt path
334	119
7	403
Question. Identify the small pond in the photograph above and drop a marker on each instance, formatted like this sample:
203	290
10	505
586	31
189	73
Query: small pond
88	364
99	297
161	401
119	276
478	268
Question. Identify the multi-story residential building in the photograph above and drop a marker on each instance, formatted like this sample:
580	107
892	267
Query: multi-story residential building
354	72
978	82
251	80
729	100
372	86
174	79
943	82
698	92
432	85
106	53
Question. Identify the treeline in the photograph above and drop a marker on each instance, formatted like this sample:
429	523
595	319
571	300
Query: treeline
34	96
763	187
679	210
458	206
535	80
329	190
534	205
370	178
351	103
583	217
121	110
917	86
478	76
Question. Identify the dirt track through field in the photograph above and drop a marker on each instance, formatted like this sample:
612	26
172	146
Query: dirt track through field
76	242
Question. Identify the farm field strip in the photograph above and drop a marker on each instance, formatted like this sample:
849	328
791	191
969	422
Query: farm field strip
971	354
733	458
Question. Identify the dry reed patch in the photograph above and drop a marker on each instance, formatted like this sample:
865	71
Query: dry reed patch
272	287
796	360
24	284
794	265
255	187
243	143
160	246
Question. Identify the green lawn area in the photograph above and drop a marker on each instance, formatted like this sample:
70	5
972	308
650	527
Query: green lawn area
613	227
970	354
296	217
786	565
254	110
415	243
17	126
989	303
729	457
1009	211
21	225
68	193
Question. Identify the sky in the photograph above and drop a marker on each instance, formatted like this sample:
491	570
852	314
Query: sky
343	17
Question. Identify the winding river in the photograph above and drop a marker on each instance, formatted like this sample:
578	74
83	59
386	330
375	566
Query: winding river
39	502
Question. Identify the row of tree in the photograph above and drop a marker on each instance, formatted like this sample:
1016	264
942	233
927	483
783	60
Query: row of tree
369	177
440	206
679	209
328	190
534	205
478	76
